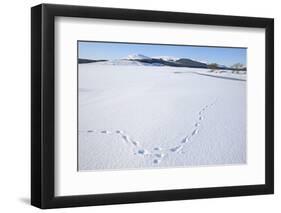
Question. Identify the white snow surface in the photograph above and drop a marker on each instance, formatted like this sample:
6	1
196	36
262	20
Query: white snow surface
139	117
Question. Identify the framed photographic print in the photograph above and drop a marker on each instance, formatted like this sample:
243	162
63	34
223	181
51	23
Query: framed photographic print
139	106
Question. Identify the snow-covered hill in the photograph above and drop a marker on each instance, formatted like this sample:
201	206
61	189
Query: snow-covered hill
166	58
136	57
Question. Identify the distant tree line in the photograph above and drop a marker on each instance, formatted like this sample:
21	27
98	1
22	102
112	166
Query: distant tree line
213	66
235	67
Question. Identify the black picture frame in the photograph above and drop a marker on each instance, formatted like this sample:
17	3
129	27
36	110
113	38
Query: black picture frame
43	105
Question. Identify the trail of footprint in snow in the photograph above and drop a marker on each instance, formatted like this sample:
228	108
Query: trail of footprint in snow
195	131
129	140
176	149
159	155
157	148
185	140
188	138
143	152
105	132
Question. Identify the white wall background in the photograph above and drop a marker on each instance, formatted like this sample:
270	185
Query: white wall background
15	105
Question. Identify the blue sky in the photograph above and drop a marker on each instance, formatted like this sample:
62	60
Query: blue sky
107	50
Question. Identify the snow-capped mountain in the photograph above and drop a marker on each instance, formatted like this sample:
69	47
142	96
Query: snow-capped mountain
166	58
133	59
136	57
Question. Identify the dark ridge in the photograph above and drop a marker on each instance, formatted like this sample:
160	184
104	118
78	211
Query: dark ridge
190	63
85	61
182	62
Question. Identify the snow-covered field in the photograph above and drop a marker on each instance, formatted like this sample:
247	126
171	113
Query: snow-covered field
138	117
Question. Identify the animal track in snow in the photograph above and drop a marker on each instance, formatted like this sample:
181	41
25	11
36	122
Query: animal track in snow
157	148
156	161
185	140
195	131
188	138
105	132
176	149
157	153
